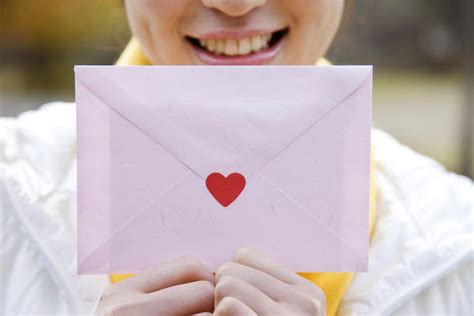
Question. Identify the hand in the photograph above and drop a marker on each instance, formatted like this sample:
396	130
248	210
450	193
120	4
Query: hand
254	284
178	287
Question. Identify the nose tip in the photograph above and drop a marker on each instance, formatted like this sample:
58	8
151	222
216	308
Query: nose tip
234	8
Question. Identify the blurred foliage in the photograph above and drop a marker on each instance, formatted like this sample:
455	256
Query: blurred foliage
420	34
41	40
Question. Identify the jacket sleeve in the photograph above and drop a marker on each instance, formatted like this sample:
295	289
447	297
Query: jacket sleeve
451	295
37	216
421	252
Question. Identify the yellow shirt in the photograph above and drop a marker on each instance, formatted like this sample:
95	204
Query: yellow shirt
334	284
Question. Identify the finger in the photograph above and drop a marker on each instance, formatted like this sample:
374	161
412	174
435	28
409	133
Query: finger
249	295
184	299
177	271
258	260
266	283
230	306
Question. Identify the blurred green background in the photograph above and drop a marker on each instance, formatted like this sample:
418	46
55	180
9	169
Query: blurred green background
421	50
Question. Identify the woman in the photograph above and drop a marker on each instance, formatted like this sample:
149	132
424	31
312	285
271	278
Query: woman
421	243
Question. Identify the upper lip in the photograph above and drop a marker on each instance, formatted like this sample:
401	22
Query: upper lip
235	34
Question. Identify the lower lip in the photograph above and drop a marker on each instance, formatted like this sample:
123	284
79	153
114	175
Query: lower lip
262	57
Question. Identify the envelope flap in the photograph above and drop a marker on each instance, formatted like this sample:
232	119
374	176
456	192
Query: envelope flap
223	119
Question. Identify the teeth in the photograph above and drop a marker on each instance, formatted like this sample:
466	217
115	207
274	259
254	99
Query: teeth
244	46
256	43
211	45
232	47
220	49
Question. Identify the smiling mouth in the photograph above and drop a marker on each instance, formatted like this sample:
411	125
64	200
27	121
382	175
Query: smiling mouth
238	47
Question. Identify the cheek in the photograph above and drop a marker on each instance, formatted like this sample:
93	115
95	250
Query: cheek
161	13
158	7
315	23
157	24
315	15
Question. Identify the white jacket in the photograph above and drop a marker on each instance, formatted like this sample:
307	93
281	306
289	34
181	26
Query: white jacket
421	254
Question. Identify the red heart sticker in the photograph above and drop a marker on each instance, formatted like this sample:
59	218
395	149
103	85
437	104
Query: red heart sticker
225	189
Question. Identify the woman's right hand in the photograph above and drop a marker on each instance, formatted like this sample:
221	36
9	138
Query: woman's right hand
181	286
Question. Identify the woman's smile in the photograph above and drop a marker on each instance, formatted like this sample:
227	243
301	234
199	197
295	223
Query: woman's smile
231	32
250	47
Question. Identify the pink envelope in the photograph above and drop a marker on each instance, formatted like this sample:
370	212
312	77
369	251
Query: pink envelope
195	160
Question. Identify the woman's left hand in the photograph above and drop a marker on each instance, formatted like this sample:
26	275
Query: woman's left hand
255	284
